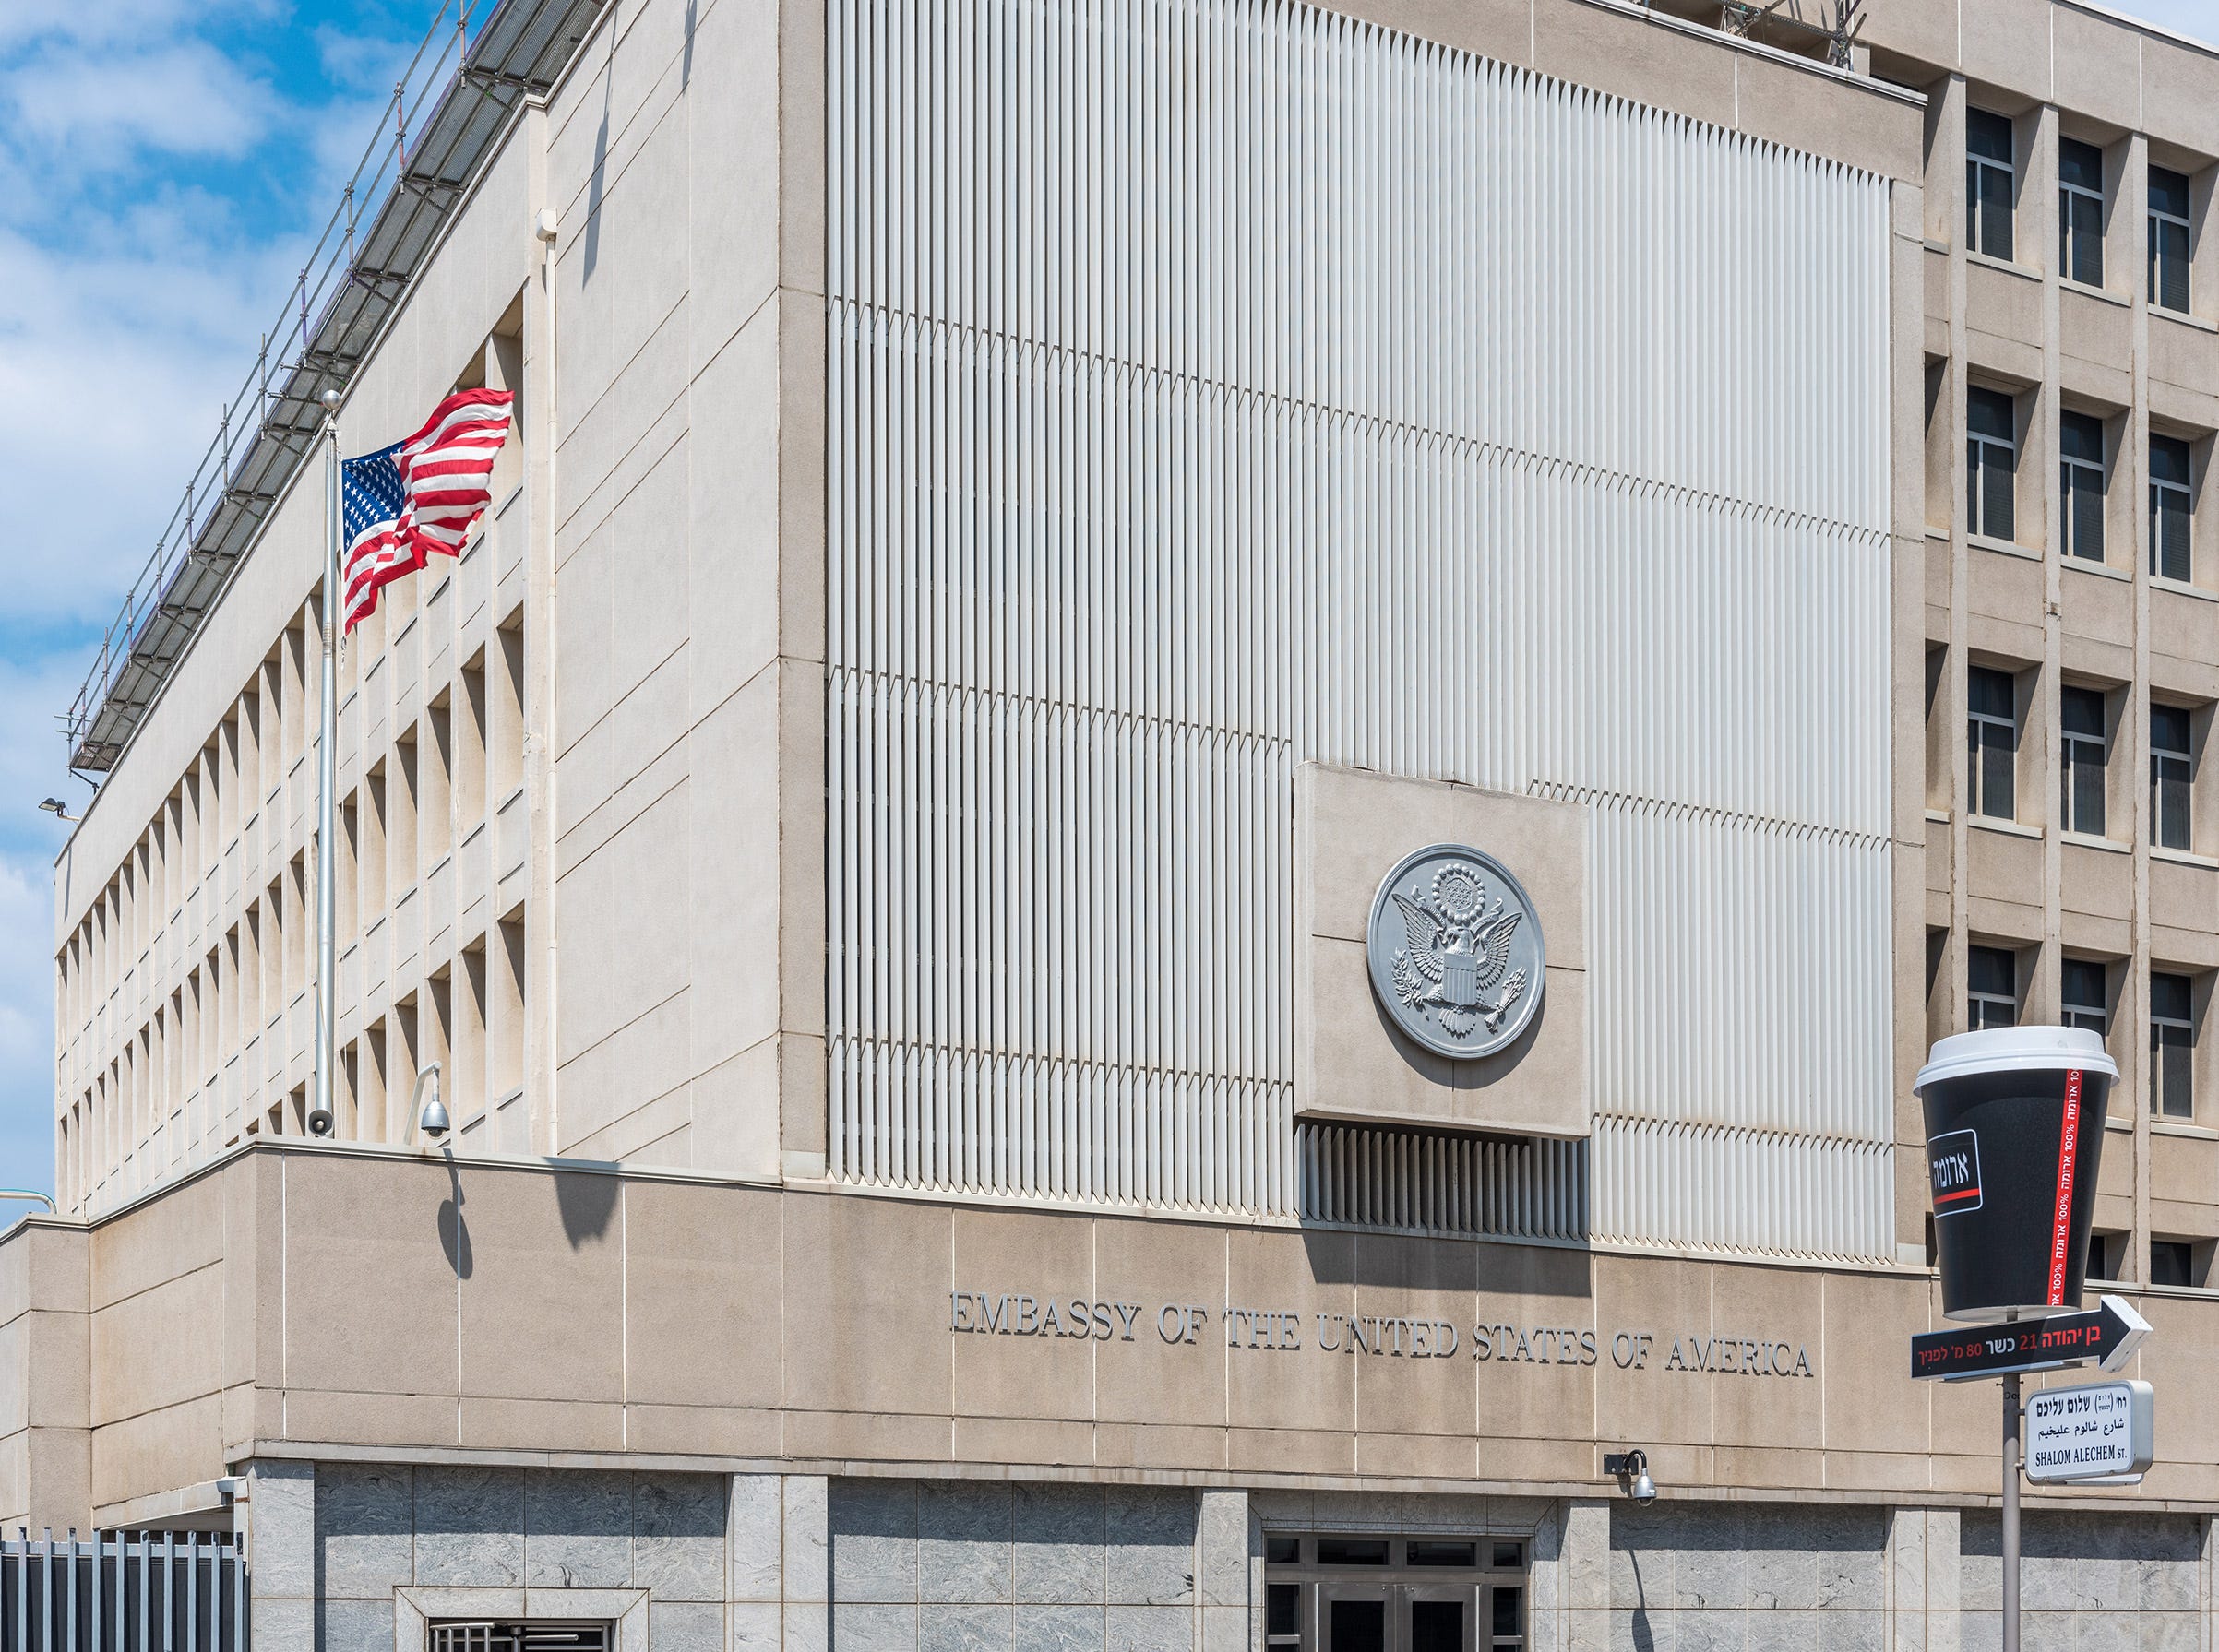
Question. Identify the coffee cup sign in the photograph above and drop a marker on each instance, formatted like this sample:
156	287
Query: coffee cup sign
2014	1137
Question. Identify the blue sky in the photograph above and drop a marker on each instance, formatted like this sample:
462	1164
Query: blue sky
163	164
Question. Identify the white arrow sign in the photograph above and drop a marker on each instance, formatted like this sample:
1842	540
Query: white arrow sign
2098	1431
2137	1328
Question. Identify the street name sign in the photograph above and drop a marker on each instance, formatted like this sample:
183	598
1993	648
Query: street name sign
2098	1431
2107	1333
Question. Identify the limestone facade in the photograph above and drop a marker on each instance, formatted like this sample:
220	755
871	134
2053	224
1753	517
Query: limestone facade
706	1328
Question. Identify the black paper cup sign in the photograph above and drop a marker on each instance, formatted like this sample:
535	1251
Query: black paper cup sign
2014	1137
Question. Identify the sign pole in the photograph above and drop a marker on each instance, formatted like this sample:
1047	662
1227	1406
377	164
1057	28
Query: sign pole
2010	1512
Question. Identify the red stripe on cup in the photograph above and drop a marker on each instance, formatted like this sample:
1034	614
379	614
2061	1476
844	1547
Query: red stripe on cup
2068	1148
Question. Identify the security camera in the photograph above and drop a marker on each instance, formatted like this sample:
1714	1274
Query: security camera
1632	1467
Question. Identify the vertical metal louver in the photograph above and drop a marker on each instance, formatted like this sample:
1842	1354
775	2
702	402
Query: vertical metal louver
1219	384
1440	1181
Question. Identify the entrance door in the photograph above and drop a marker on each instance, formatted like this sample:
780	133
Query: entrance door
1437	1617
1395	1617
1354	1617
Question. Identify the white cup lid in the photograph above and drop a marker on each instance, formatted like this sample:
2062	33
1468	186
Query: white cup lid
2017	1050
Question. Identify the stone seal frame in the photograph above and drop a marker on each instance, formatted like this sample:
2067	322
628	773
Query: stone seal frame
1523	961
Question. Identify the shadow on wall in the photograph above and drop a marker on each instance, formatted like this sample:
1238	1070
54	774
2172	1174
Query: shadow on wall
454	1232
919	1560
1416	1261
1705	1558
586	1203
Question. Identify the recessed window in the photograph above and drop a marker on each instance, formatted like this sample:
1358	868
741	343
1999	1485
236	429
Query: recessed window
2174	1261
2168	240
2171	773
2106	1254
2171	503
2080	461
1988	177
2079	211
2081	772
1992	977
2082	999
2172	1045
1992	462
1992	742
1283	1551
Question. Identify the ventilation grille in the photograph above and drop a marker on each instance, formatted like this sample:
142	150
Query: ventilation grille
1433	1182
519	1637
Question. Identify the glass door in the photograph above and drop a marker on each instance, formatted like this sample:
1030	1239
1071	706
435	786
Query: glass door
1353	1617
1436	1618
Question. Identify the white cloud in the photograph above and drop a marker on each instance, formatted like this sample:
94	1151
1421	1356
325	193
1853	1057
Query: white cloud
112	368
99	108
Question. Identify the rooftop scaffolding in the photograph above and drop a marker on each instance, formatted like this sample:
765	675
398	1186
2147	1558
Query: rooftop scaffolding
444	114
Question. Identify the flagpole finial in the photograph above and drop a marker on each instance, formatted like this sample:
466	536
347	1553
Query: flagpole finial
330	399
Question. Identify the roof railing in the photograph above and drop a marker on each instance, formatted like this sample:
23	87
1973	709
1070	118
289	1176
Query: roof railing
446	110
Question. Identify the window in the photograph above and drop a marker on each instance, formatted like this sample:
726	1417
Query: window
2177	1262
2170	773
2106	1253
1992	974
2079	211
2084	1002
1988	183
1992	739
2168	240
1438	1594
2081	460
1992	461
2081	777
2170	501
2172	1045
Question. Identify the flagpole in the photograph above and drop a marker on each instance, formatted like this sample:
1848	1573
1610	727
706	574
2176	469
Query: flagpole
326	804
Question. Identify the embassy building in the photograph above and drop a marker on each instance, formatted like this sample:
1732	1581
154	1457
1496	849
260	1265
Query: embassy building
1193	811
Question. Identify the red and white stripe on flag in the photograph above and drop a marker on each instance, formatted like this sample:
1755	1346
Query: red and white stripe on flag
445	472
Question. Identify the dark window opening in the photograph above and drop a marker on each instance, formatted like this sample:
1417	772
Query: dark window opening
2080	468
2084	757
1992	983
1989	180
2172	1045
2079	211
1992	462
1992	743
2168	240
2172	504
2171	772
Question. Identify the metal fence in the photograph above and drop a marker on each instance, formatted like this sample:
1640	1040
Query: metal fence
124	1592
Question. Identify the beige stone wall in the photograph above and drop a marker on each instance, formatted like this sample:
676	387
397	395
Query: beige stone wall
2024	884
334	1302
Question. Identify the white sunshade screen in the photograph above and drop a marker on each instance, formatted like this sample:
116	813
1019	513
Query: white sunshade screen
1215	388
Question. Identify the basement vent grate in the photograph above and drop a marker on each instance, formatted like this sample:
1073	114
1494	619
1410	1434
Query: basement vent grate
519	1637
1442	1181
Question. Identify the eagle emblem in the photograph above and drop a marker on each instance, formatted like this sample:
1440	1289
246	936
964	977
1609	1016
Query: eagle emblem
1458	954
1463	980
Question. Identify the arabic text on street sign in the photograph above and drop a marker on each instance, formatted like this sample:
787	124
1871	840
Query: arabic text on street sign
2098	1429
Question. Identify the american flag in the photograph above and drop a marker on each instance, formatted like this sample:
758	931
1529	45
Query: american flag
403	503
